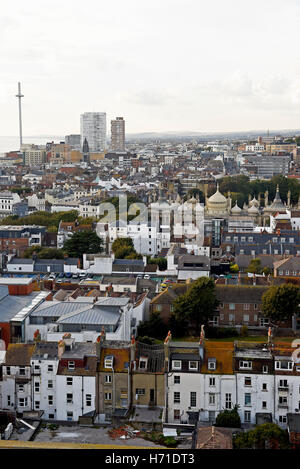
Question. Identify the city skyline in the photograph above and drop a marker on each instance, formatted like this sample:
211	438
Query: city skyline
185	66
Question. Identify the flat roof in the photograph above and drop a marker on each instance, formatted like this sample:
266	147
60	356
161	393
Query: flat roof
16	280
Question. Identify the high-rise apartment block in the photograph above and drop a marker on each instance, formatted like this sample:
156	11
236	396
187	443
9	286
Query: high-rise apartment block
73	140
118	134
93	129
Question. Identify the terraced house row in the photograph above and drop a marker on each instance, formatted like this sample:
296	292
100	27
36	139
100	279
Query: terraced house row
104	381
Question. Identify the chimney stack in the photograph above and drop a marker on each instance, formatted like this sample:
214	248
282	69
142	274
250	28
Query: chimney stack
132	349
60	348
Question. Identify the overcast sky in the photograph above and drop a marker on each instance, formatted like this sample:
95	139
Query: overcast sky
164	65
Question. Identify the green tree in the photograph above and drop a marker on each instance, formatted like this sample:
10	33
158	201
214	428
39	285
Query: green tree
160	261
123	248
154	327
122	243
255	266
229	418
281	302
197	304
234	268
43	253
83	242
265	436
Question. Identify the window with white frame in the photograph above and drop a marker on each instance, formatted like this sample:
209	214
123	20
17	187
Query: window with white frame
283	365
265	369
247	416
245	365
211	398
193	365
176	379
50	384
50	400
247	399
71	365
88	400
248	381
212	381
176	397
69	398
107	379
69	381
140	391
143	363
176	364
228	402
21	388
36	386
50	368
107	396
246	306
232	306
282	419
23	402
212	363
193	399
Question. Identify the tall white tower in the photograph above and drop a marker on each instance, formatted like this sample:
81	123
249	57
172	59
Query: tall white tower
20	96
93	129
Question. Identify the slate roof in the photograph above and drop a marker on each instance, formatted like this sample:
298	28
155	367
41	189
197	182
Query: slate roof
240	293
45	349
155	355
19	354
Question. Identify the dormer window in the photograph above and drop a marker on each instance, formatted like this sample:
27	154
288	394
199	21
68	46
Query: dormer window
283	365
193	365
71	366
143	363
176	364
245	365
212	364
108	362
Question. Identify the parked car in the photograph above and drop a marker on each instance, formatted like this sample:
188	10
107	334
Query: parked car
147	277
75	276
82	275
68	275
61	275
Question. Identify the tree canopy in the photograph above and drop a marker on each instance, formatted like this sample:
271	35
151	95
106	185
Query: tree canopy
229	418
281	302
240	187
42	218
265	436
123	248
44	253
197	304
83	242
